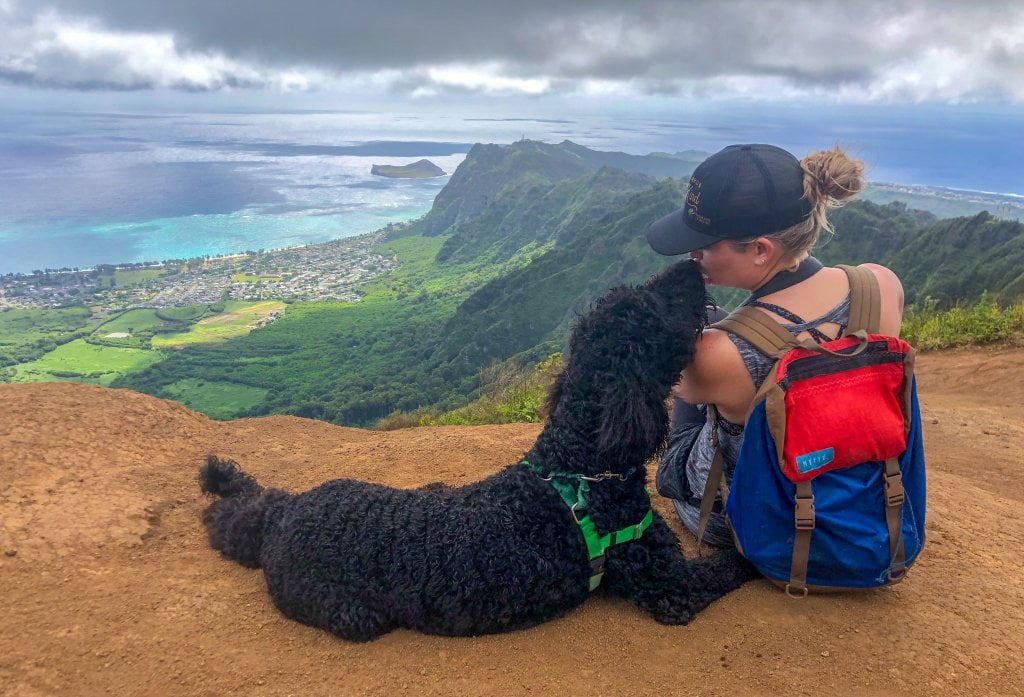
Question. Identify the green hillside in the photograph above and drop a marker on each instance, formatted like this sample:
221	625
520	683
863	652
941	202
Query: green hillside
491	173
957	259
529	310
518	243
540	215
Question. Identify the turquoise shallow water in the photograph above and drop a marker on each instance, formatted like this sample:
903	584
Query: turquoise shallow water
77	189
189	236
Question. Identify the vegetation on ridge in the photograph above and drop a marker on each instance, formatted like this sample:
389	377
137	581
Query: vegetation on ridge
510	394
520	242
984	322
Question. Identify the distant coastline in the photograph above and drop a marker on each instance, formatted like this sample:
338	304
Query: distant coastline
945	202
323	271
948	190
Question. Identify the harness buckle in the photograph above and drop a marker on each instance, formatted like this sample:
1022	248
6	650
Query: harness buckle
894	492
803	515
575	516
605	475
797	592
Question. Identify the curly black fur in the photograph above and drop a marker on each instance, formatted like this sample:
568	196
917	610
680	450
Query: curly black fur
361	559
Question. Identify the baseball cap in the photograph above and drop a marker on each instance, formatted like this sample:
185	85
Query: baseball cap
740	191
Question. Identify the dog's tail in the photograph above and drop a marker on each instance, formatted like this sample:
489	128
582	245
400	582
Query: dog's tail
234	523
224	478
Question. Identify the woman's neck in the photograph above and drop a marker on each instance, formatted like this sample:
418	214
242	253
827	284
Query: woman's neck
784	274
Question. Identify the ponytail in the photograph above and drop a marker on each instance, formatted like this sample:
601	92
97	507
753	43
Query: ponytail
830	178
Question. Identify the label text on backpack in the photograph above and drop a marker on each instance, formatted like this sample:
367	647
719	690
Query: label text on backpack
812	461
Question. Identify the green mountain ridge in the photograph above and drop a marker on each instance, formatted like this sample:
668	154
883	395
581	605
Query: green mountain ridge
494	172
528	311
540	215
959	258
522	239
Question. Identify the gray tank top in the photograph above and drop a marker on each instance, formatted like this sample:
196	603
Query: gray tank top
729	434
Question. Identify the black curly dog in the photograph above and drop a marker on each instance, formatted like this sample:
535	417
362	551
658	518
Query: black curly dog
505	553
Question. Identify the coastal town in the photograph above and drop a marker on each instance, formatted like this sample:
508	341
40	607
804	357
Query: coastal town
330	271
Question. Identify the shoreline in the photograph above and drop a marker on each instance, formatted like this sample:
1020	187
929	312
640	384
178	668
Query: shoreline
313	272
139	265
943	193
936	190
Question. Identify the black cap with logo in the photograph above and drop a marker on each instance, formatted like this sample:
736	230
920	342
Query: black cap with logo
741	191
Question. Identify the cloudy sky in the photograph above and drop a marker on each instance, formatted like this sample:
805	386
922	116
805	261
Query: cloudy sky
896	51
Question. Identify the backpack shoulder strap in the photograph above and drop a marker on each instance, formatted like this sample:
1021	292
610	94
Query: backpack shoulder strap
760	330
768	337
865	300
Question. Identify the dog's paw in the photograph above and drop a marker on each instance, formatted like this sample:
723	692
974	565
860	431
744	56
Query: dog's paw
674	611
435	486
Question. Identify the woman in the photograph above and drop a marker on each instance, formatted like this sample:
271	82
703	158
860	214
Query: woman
752	215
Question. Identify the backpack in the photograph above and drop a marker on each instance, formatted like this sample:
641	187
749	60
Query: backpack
828	491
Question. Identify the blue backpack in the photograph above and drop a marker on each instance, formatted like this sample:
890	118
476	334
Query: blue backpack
829	486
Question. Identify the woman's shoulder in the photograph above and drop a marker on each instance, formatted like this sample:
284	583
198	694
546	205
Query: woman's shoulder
886	277
717	374
883	273
888	282
891	291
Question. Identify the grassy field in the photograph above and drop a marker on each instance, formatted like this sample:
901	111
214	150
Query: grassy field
185	313
28	334
46	345
83	362
319	359
249	278
218	400
236	320
130	322
124	278
142	324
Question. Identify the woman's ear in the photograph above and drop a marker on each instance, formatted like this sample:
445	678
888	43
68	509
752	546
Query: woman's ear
765	251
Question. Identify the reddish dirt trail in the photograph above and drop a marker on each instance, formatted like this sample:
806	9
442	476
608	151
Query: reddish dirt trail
107	585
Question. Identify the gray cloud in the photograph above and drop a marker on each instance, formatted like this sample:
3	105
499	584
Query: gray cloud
904	49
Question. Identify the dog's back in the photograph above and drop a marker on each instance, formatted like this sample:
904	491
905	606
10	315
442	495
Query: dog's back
353	557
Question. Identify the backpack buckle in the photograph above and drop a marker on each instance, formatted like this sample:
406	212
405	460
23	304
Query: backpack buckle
795	591
894	492
804	513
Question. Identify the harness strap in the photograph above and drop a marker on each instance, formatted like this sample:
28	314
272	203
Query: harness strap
574	496
865	300
894	497
803	521
714	483
756	327
597	543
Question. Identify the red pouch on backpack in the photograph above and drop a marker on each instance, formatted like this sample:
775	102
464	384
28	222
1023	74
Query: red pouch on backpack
839	412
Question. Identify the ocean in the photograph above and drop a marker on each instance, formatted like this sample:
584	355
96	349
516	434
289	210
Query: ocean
80	189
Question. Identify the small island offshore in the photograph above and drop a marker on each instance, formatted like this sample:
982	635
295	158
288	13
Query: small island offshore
421	169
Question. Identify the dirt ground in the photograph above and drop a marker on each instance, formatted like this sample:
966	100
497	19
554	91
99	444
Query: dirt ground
107	585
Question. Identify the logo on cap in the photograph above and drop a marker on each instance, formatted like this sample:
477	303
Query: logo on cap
693	200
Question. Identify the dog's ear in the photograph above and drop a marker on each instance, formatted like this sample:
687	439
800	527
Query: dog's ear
633	424
554	395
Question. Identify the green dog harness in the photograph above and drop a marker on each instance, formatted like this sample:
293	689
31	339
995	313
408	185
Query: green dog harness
573	488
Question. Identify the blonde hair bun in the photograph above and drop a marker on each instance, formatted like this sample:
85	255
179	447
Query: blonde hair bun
830	177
